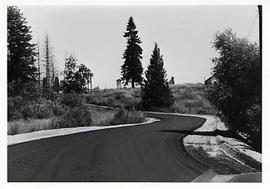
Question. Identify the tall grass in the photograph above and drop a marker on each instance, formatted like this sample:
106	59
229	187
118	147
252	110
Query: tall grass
124	117
69	110
121	98
191	99
97	117
102	117
31	125
188	98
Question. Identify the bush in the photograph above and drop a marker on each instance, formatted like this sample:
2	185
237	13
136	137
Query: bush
123	116
29	90
72	99
101	116
14	107
39	110
78	116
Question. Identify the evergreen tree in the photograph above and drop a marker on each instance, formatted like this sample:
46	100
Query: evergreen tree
132	68
21	53
155	91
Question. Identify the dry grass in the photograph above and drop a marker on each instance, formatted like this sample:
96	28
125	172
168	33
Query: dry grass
99	117
31	125
188	98
123	98
191	99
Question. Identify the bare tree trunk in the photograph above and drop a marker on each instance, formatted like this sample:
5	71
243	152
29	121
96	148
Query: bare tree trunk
53	71
91	85
133	84
39	73
49	58
47	62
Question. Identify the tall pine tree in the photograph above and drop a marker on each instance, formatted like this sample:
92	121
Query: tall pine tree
21	52
132	68
155	91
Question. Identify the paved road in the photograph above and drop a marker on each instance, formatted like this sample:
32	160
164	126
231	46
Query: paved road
152	152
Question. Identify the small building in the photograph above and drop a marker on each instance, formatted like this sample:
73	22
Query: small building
171	82
211	80
96	88
118	84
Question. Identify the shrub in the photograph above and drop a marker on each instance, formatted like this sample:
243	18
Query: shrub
77	116
29	90
39	110
123	116
72	99
14	106
101	117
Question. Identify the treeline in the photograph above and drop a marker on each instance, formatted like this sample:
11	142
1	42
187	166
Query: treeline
27	62
35	99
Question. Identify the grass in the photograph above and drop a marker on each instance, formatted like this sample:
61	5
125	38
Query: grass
69	110
102	116
191	99
188	98
121	98
99	117
31	125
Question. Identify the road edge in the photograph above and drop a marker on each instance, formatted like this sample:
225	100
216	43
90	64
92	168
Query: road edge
227	145
37	135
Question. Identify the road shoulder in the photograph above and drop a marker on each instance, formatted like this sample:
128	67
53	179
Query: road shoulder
26	137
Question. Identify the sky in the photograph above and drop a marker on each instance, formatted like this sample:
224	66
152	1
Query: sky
184	34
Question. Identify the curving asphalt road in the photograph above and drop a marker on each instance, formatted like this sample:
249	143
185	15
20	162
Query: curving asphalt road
152	152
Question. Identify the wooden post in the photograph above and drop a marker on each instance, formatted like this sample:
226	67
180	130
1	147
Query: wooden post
91	85
260	30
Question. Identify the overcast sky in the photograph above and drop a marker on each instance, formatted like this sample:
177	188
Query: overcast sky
183	33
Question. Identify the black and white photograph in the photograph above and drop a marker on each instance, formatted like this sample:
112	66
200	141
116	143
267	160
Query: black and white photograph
134	93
